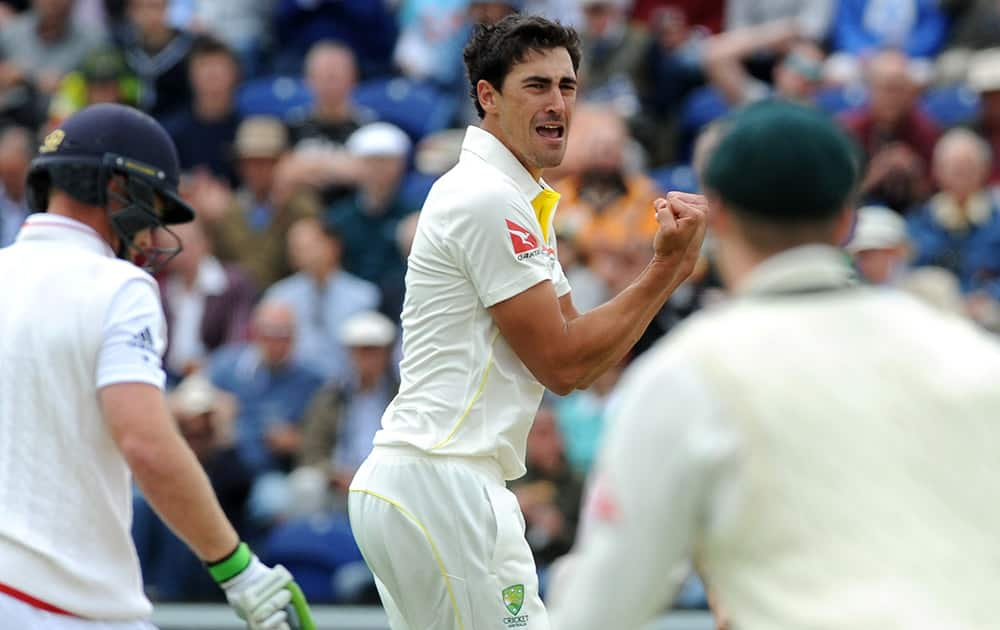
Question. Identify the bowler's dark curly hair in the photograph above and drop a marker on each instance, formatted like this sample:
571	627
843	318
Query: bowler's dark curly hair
494	49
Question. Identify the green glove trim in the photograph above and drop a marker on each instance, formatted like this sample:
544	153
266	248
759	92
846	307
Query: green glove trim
232	565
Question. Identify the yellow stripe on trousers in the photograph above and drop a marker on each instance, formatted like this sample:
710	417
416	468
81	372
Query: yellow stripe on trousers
434	550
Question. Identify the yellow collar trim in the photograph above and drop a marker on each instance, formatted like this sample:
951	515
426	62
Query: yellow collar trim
544	204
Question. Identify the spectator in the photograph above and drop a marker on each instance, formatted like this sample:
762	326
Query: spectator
318	135
916	27
16	151
103	77
432	35
795	77
322	296
249	227
879	245
241	24
700	13
605	203
812	17
45	43
549	493
342	419
959	226
368	221
272	390
205	129
611	69
207	304
897	137
204	416
158	54
672	67
984	78
367	27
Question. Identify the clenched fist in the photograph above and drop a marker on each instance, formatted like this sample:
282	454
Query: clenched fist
683	219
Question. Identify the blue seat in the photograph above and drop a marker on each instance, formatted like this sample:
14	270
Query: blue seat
414	188
416	108
951	104
272	96
675	177
701	107
314	550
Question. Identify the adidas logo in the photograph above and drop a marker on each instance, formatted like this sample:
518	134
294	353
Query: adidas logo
143	339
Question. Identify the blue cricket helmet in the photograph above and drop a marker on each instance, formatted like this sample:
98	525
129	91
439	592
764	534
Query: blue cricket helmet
93	145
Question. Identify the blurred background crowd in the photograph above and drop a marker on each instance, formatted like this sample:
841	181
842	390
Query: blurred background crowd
310	131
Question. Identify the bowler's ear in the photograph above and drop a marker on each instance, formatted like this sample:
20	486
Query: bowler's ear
487	95
719	221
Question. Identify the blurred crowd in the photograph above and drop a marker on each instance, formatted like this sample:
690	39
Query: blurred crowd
310	131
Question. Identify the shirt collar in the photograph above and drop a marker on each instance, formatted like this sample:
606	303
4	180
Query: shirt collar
488	148
803	269
947	212
53	227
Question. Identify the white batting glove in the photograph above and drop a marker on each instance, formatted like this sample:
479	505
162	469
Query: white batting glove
260	595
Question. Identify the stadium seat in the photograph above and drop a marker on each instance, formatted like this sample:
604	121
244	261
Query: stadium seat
272	96
951	104
675	177
701	107
314	549
416	108
414	188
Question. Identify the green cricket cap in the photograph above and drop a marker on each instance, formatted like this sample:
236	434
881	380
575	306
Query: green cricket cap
783	162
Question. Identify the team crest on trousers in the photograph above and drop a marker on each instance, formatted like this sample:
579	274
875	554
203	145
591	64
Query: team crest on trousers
513	599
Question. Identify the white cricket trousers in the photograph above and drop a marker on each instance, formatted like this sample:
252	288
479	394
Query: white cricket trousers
445	539
17	614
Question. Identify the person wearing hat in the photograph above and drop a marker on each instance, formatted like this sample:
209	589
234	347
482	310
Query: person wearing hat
342	418
879	245
802	444
249	227
368	220
102	77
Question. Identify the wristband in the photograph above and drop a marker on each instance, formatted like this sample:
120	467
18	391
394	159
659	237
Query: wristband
232	565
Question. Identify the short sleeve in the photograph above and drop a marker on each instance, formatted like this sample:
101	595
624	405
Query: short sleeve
501	249
135	337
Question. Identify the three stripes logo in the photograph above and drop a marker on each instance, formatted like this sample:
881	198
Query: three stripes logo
143	340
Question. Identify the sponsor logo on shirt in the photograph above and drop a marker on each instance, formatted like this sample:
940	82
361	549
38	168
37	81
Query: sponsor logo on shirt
143	340
522	239
525	243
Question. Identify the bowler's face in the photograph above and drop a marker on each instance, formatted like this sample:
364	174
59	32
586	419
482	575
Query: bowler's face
535	108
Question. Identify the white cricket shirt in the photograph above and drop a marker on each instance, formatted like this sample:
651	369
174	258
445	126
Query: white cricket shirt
74	319
826	454
484	235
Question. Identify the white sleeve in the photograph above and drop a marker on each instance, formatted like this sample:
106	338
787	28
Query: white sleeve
501	250
664	468
135	337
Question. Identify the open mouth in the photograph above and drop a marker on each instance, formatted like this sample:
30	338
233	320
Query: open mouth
553	131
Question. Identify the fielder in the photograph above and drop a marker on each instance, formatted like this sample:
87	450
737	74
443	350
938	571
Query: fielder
825	451
82	334
488	324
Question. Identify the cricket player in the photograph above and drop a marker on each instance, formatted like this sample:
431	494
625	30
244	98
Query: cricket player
825	451
488	324
82	334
